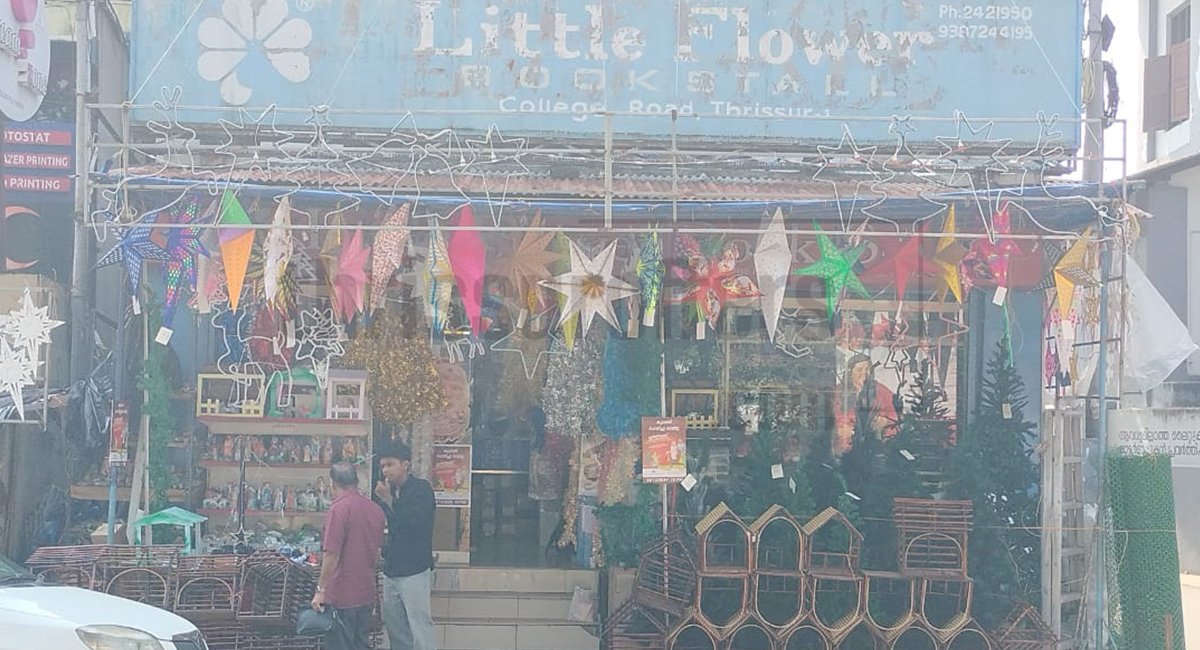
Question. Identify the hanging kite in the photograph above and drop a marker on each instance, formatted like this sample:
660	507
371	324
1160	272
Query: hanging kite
712	279
836	268
468	260
277	250
235	246
772	262
439	282
590	287
650	272
389	253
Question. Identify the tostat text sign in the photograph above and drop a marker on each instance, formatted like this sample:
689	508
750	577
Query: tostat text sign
547	66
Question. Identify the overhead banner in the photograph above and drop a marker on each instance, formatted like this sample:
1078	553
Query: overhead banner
1166	432
547	67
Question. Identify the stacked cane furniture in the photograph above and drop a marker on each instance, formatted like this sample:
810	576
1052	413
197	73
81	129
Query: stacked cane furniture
779	584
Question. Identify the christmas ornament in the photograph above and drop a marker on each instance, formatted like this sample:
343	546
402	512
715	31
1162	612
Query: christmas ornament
836	268
590	286
468	260
135	247
712	280
184	246
351	277
404	384
28	327
389	253
529	265
16	372
650	272
772	262
439	282
947	257
278	248
906	261
1071	271
235	246
986	262
319	341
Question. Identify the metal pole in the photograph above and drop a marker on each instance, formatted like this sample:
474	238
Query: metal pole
81	264
1093	171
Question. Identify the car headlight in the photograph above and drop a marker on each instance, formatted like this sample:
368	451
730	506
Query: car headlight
115	637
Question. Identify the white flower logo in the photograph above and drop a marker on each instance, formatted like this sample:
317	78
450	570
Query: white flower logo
252	27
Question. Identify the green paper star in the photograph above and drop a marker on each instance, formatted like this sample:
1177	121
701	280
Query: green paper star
836	268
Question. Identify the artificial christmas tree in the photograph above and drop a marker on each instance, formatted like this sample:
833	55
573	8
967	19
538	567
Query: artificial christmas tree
993	467
756	483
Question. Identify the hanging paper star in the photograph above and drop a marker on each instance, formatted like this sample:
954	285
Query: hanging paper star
184	246
569	322
1071	271
439	282
389	253
468	260
135	246
987	260
650	272
712	280
906	261
277	250
351	277
836	268
519	342
16	372
948	256
590	286
530	264
235	246
772	262
29	328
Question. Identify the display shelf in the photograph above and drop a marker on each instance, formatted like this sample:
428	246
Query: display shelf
284	426
253	464
100	493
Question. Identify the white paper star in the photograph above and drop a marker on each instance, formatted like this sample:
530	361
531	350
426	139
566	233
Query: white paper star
29	328
772	262
590	287
319	340
16	372
277	249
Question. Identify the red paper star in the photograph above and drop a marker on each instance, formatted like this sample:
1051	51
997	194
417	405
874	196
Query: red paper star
987	261
906	261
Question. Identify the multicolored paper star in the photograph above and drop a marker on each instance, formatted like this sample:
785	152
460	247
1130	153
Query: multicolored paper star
712	280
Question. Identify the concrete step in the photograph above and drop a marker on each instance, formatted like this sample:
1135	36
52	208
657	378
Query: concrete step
501	606
471	634
466	579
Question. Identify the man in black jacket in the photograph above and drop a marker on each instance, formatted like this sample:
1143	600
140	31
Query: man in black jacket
408	553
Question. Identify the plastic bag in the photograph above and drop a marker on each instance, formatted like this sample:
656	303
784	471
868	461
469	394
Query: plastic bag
583	606
1156	340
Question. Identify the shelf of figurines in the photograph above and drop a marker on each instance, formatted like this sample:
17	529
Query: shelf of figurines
270	500
283	451
286	403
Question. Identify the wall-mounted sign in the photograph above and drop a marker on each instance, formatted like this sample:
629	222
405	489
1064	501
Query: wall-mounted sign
547	67
39	158
118	445
24	58
451	476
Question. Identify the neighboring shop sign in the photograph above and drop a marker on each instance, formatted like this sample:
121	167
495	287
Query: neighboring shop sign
39	158
1170	432
24	58
451	476
664	450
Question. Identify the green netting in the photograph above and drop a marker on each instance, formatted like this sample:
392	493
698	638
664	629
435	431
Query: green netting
1142	554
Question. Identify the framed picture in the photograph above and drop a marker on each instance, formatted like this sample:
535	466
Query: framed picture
701	407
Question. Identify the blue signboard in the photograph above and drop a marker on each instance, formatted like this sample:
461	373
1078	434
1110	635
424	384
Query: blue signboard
730	69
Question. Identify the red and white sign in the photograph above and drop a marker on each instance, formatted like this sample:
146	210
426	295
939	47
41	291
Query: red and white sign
24	58
36	184
40	137
37	160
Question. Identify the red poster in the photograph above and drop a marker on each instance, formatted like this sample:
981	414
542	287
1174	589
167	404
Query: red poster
664	450
118	449
451	475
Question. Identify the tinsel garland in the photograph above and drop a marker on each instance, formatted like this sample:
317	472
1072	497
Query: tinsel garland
403	384
631	373
573	386
597	547
571	499
620	462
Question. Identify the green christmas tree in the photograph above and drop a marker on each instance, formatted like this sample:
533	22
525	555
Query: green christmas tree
754	488
994	468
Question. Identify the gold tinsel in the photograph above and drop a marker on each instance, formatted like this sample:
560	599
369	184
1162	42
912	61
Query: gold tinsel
619	470
571	500
597	548
403	384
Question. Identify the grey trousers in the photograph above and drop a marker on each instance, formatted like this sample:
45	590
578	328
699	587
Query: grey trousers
407	614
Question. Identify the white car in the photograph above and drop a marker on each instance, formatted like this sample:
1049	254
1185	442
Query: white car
38	614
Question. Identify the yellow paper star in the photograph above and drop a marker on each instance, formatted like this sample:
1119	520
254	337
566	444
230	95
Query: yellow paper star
947	257
1071	271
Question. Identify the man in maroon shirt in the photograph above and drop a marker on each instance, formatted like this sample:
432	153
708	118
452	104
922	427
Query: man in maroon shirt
353	536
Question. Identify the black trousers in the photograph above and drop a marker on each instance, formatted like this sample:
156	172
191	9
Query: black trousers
352	630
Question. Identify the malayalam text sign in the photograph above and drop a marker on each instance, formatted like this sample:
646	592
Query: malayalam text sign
664	450
547	67
1167	432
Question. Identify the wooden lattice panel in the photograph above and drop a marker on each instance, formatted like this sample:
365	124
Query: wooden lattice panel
692	636
751	635
806	637
1024	629
633	627
722	602
891	602
916	637
971	637
666	576
778	542
837	604
723	542
946	605
932	535
779	598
